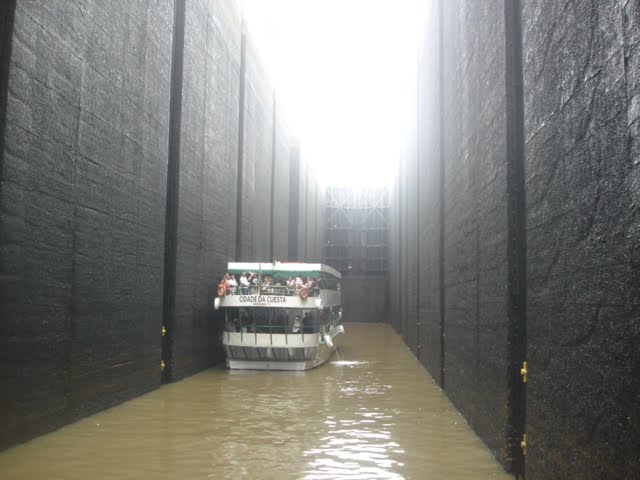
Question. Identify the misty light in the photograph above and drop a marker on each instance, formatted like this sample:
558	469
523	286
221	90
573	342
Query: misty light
344	73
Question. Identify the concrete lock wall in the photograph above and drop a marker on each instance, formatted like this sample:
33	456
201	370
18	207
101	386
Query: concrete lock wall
305	210
257	156
301	203
319	232
83	195
280	191
364	298
582	132
121	154
451	224
310	214
475	218
207	179
314	199
542	177
294	200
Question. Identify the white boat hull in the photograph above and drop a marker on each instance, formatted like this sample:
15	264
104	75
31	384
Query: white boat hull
324	354
263	351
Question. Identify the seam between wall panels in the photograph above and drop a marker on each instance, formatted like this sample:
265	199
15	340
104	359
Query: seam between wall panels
516	235
441	252
173	189
240	190
273	179
7	16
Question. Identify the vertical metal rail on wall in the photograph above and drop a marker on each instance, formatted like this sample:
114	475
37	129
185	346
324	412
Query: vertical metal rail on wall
516	238
173	190
243	62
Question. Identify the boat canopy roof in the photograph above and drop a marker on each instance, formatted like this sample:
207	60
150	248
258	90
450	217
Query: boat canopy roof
285	269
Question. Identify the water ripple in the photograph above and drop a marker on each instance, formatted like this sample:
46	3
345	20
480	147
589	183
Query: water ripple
373	414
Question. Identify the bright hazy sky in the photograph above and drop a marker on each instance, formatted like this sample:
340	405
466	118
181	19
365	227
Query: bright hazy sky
344	74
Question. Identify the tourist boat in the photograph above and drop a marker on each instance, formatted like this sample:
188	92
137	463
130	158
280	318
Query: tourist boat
279	316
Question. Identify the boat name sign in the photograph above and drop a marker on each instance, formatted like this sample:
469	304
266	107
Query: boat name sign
259	300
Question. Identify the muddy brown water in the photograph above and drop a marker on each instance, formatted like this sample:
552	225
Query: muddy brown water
372	412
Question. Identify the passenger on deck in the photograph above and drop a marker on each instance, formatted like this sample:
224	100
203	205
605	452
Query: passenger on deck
244	283
255	282
296	324
298	283
267	283
291	284
307	323
225	282
232	285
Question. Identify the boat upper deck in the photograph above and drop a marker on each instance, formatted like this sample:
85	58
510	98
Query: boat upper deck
284	269
283	285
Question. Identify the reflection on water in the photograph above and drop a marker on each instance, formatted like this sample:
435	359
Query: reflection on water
347	363
371	413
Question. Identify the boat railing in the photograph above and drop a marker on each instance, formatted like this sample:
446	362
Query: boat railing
282	290
307	327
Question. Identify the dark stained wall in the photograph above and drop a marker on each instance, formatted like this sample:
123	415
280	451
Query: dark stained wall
430	188
395	252
317	214
302	202
208	162
580	148
293	250
84	179
475	216
257	158
582	99
364	298
83	197
281	191
451	220
307	210
311	217
409	240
